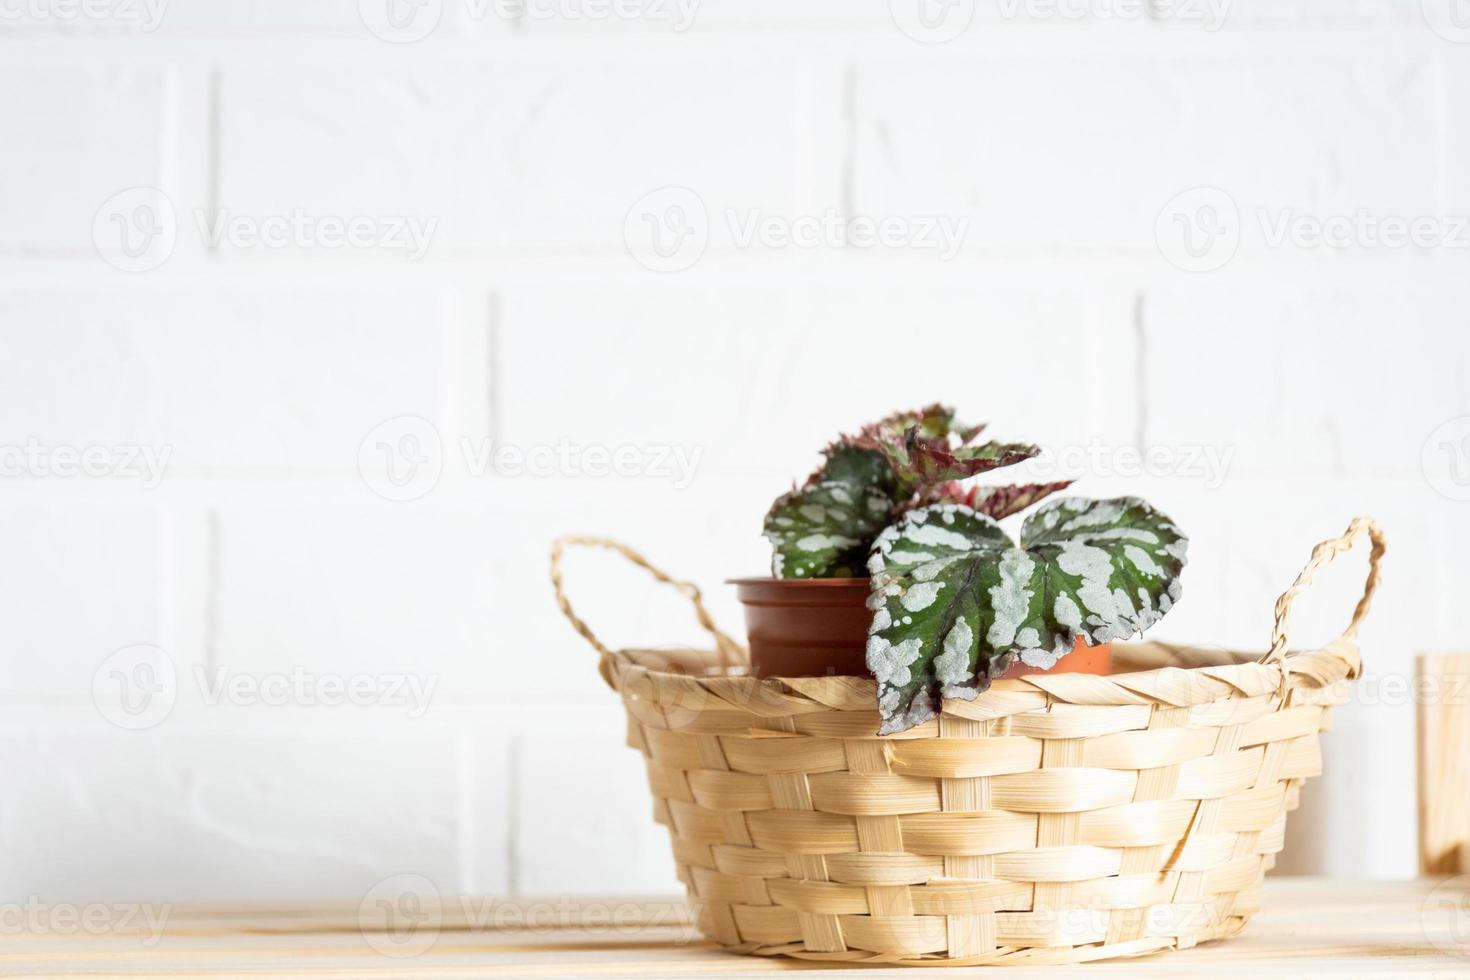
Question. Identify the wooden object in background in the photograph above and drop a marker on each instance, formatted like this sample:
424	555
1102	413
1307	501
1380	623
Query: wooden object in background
1442	692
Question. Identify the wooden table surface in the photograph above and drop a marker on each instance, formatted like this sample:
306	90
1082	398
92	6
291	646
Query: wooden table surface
1308	927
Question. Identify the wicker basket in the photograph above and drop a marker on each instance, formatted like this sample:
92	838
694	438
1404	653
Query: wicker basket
1055	819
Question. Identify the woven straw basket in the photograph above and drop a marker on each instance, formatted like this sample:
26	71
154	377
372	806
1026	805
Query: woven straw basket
1055	819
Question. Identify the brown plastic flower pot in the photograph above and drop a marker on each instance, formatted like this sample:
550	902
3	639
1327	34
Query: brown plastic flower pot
819	628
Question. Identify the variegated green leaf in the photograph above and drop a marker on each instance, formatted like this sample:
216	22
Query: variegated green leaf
826	528
1113	566
955	601
931	574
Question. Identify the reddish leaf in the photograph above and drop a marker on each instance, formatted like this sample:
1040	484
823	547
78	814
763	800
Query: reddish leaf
997	502
933	463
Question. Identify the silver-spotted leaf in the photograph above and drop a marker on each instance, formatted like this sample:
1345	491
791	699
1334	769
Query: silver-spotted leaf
955	601
1115	562
931	573
826	528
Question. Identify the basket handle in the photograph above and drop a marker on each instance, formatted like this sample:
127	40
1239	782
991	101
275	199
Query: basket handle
727	649
1322	555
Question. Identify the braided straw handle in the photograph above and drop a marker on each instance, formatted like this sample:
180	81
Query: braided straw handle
1322	555
727	649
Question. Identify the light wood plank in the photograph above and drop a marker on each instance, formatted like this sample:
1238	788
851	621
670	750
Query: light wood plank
1307	927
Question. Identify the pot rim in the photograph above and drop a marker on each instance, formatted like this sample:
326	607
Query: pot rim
803	582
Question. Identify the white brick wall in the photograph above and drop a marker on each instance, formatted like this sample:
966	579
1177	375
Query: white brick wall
276	375
1091	177
82	578
91	130
231	378
179	816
